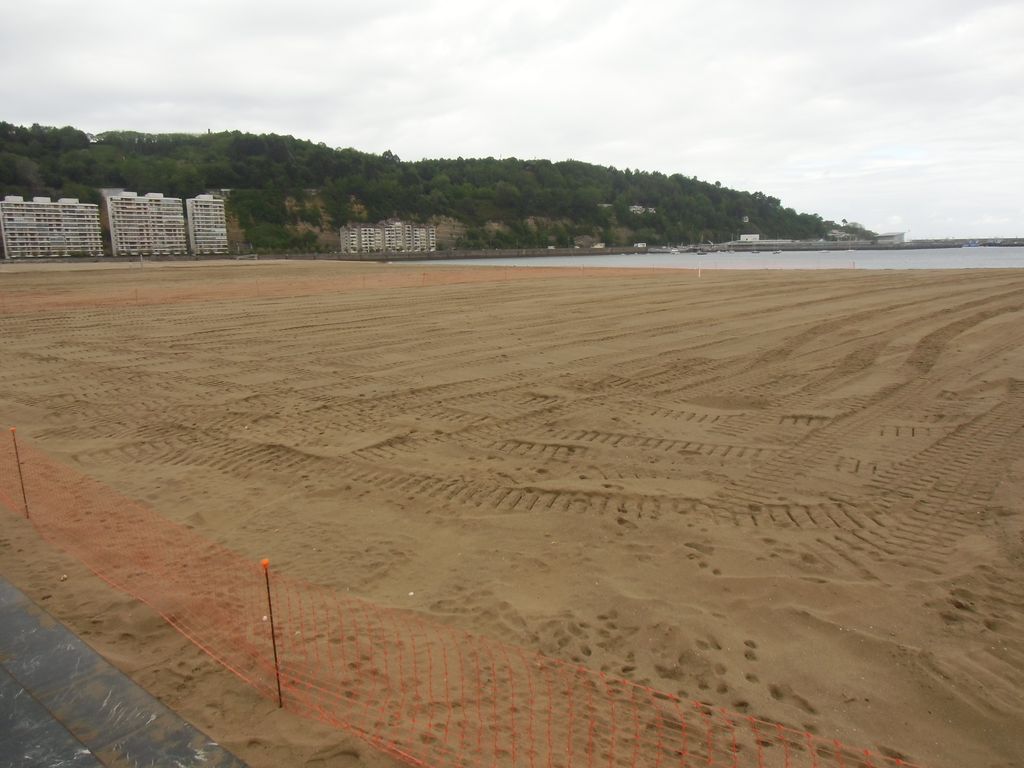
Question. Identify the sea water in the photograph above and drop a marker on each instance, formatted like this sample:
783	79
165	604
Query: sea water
990	257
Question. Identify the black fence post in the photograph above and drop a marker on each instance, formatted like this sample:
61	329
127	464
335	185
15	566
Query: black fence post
273	634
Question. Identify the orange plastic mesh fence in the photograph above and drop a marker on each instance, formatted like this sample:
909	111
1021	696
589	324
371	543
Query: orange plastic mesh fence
14	301
422	691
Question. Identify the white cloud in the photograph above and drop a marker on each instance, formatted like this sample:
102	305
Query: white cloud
875	111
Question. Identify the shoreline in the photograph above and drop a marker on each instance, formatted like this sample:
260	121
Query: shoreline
763	247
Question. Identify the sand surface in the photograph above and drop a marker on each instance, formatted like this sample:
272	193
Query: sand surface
796	495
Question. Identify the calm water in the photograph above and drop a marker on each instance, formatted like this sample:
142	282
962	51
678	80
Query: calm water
945	258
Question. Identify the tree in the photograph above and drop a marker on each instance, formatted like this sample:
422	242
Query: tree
495	199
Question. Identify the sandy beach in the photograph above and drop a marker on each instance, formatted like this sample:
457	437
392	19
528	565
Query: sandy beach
790	494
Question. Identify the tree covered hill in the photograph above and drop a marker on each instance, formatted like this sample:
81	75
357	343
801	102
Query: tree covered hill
290	193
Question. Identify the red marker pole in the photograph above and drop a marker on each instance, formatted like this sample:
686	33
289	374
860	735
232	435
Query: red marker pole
21	477
273	635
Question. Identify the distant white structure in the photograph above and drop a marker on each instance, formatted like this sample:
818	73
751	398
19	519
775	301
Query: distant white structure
146	226
392	236
207	226
749	238
362	238
41	227
423	239
397	235
891	238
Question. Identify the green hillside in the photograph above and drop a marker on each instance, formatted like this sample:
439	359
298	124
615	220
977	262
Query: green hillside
287	193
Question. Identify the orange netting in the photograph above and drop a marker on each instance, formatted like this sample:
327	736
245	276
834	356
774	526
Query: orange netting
422	691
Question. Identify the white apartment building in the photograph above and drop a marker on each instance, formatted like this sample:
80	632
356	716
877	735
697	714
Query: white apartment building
393	236
41	227
397	235
424	239
207	227
147	225
362	238
350	240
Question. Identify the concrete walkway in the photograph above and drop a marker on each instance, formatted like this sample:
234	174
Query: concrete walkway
62	705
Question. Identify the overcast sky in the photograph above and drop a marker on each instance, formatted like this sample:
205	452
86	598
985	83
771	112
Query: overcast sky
898	114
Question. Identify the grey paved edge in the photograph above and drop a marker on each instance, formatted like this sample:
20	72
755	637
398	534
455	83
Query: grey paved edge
62	704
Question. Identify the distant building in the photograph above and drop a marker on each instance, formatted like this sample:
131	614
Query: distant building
749	238
637	209
397	236
41	227
362	238
891	238
424	239
207	226
391	236
146	226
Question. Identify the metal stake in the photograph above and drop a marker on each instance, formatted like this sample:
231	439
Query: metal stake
21	476
273	634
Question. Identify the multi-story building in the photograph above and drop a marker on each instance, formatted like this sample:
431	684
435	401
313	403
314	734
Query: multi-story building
424	239
207	227
362	238
350	240
41	227
397	235
393	236
146	226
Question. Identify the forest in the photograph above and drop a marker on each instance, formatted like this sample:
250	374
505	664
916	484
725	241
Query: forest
285	193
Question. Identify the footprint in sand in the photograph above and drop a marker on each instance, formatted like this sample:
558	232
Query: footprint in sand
784	692
750	653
